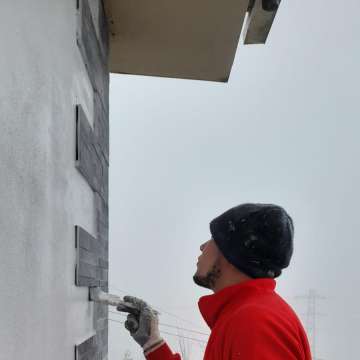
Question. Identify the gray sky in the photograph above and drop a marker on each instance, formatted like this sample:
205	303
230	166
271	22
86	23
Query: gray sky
285	129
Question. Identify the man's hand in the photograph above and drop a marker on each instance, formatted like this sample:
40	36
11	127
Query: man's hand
144	328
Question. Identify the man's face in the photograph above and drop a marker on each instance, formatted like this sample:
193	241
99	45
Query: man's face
208	266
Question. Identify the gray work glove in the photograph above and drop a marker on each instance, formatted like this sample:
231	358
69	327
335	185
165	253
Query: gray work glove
144	326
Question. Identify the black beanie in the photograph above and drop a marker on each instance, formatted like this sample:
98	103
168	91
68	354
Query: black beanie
256	238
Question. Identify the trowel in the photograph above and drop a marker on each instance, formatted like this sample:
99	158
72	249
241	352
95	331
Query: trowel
97	295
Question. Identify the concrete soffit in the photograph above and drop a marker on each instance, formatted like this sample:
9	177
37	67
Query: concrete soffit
182	38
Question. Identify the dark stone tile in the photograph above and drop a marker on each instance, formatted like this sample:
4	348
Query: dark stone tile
92	161
90	349
91	52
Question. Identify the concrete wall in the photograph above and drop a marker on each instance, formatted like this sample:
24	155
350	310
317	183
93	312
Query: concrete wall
44	315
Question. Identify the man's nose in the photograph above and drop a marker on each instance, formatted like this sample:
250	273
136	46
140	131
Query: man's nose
202	246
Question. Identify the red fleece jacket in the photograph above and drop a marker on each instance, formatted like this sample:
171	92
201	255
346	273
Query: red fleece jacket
248	321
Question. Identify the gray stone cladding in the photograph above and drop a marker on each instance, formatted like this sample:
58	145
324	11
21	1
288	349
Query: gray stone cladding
92	161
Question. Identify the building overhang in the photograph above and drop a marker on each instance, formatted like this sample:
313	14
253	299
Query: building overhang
182	38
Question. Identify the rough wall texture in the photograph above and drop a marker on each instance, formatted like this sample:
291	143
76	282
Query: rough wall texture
92	161
43	194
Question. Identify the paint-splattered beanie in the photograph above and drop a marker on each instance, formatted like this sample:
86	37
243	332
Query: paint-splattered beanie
256	238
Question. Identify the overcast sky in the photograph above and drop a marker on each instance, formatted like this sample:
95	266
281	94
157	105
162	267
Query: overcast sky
285	130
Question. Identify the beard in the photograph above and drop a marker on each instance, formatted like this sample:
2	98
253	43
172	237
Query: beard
209	280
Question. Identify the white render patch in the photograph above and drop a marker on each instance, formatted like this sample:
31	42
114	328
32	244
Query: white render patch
43	313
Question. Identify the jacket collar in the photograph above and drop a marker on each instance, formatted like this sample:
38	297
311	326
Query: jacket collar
214	305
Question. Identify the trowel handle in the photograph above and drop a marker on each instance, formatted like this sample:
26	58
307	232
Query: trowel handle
96	294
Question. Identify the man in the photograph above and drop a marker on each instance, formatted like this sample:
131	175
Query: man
249	247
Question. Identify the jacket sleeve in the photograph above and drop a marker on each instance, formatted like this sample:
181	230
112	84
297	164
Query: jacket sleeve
257	337
163	353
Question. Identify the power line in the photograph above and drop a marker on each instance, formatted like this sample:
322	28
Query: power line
168	325
168	333
186	337
177	317
157	308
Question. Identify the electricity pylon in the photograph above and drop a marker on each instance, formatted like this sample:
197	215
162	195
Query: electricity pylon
311	318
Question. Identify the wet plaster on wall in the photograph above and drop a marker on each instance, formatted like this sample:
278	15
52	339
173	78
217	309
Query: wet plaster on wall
43	313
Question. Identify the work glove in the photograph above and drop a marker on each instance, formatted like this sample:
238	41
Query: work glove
144	325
